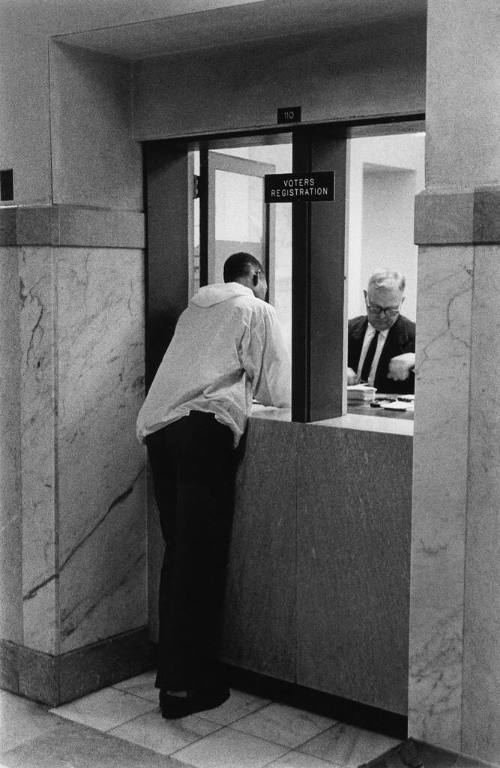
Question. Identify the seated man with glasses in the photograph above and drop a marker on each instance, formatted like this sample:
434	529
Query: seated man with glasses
382	342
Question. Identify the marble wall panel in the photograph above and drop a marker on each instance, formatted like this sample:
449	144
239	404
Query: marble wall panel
10	491
101	495
481	674
37	448
439	494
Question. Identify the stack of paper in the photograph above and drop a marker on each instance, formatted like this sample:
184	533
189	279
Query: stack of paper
360	393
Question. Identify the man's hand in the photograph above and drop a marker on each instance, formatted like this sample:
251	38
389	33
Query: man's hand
352	377
401	366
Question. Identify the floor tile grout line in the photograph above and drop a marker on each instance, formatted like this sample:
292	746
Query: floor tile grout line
216	730
296	747
129	741
112	687
136	717
327	763
279	758
272	742
168	754
303	744
137	696
269	741
236	730
267	703
240	733
247	714
191	743
73	719
219	727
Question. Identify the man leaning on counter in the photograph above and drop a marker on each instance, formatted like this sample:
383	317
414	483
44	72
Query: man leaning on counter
381	349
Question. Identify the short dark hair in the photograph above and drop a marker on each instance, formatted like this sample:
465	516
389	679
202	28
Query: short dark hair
238	265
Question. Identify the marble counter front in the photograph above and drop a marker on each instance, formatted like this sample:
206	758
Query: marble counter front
319	578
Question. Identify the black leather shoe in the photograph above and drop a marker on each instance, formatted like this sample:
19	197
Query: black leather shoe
173	707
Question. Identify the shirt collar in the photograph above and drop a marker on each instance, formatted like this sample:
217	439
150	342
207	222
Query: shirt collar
371	330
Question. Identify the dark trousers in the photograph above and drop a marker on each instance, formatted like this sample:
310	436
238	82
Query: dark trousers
193	463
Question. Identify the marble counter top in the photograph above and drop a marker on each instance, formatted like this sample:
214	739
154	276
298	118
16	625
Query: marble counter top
359	417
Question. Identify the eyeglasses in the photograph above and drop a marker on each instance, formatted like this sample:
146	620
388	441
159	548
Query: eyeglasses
386	310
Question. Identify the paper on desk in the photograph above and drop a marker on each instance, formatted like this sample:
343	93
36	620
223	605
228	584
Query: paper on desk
360	392
398	405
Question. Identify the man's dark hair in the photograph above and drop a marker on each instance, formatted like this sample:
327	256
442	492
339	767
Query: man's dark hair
238	265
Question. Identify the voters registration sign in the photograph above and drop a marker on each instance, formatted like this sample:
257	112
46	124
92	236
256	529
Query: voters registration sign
299	187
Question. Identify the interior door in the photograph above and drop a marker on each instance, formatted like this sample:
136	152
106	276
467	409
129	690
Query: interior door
238	219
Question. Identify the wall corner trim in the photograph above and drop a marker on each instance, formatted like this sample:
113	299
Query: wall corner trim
72	226
451	216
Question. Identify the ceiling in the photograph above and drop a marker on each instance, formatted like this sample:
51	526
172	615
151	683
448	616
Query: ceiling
251	21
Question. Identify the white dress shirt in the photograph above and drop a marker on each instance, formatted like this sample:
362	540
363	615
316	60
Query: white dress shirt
227	349
369	334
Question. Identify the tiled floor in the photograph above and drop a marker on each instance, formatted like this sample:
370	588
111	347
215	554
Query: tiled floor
121	727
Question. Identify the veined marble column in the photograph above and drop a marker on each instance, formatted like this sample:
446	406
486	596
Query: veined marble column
454	696
73	501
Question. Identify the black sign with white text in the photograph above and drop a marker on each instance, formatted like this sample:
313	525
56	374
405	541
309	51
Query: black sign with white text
289	115
299	187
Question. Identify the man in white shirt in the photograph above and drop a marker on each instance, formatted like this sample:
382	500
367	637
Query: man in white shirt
382	342
227	350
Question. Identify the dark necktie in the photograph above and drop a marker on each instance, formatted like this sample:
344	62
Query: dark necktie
370	354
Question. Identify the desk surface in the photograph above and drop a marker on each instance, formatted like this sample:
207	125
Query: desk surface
359	417
364	409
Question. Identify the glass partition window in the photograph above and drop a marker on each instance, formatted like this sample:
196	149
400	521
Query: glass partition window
384	175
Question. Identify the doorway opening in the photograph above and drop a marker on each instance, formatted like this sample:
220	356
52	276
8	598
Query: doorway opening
237	218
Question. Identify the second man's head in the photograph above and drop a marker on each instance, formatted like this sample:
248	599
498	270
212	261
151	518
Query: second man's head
384	297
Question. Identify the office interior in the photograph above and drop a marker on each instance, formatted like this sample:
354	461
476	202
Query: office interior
134	139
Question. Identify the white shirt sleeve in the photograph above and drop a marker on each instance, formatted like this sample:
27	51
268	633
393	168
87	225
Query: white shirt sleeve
266	359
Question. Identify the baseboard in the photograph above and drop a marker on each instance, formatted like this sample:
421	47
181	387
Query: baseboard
346	711
55	680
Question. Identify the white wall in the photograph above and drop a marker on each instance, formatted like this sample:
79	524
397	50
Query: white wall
466	87
384	175
379	70
387	238
25	29
95	159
